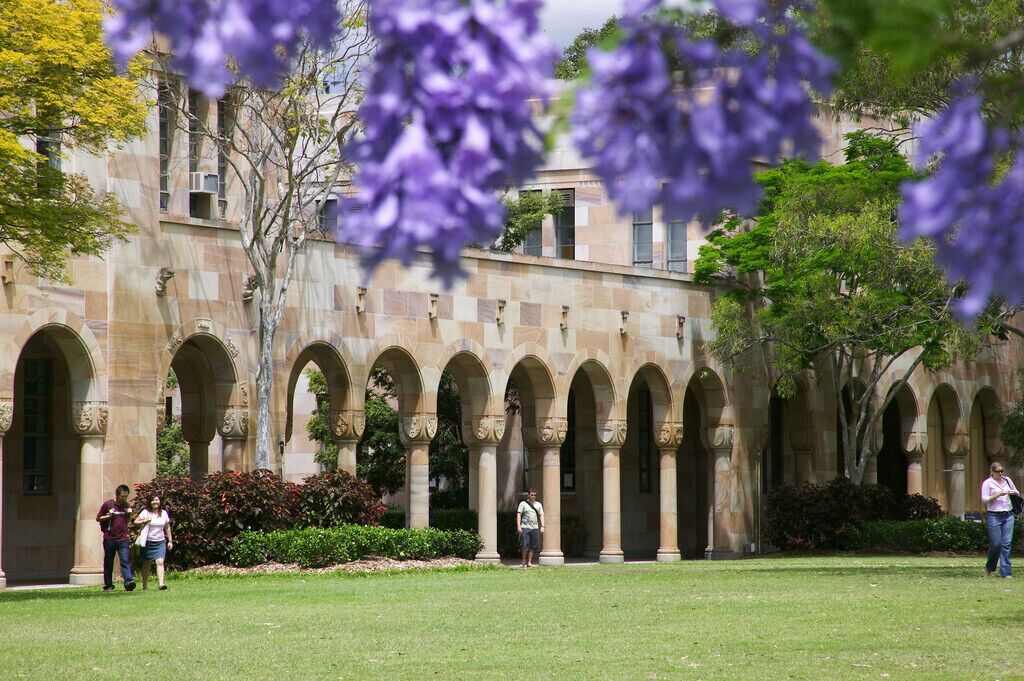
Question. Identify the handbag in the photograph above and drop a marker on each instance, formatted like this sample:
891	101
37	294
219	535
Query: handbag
1017	504
140	541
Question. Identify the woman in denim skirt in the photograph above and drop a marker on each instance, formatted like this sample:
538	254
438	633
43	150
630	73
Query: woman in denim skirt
156	525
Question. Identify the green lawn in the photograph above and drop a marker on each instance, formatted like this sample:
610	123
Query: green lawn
783	618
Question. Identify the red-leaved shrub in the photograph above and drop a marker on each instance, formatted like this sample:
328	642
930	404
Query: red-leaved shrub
336	498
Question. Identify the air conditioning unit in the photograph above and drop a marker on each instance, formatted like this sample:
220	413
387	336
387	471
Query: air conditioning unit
203	183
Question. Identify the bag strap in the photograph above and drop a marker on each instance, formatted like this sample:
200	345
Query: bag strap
535	511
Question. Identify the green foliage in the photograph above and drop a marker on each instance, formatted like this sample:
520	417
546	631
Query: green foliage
822	278
1011	428
381	457
573	62
318	427
449	456
885	74
172	455
315	547
57	83
523	214
393	518
456	519
918	536
827	516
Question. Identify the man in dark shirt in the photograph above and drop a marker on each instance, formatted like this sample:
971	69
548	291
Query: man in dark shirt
113	518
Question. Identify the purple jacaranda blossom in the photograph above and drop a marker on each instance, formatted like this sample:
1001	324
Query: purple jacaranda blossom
972	217
683	129
259	36
448	123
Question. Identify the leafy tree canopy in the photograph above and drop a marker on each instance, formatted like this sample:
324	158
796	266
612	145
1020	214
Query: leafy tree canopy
59	86
523	214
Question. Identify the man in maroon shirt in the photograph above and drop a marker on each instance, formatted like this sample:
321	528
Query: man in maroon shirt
113	519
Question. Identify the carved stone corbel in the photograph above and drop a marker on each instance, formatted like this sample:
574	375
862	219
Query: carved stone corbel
721	438
669	434
612	432
235	424
89	418
486	430
549	432
419	428
6	414
347	424
164	276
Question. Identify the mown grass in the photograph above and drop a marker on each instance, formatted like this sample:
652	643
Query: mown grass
783	618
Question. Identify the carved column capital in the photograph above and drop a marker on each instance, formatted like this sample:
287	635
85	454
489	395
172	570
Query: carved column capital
418	428
6	414
721	439
347	424
669	434
485	430
612	432
549	432
89	418
235	423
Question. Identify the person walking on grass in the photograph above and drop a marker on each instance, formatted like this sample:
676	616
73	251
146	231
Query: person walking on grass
113	519
530	524
156	525
995	494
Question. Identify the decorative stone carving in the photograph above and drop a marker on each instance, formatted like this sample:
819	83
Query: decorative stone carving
347	424
164	276
6	415
243	394
204	325
721	438
419	427
488	429
249	286
175	341
229	343
89	418
612	432
235	424
669	434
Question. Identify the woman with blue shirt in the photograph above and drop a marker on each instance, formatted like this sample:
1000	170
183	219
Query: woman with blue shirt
995	494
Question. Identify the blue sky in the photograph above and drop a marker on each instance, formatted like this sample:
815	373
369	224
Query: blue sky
562	20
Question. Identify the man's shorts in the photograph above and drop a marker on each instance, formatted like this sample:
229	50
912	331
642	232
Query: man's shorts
530	539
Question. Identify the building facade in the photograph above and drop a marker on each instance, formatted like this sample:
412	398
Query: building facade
626	422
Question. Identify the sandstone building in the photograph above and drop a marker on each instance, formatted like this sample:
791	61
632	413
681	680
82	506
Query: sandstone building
627	421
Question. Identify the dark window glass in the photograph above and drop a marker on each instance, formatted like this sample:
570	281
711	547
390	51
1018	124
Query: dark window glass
565	226
534	243
193	131
37	461
567	454
165	113
677	246
224	115
645	446
643	239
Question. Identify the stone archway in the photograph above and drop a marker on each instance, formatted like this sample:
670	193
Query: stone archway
53	423
944	434
984	446
894	458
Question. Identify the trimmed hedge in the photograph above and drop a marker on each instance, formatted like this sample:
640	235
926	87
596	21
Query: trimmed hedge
916	536
313	547
827	516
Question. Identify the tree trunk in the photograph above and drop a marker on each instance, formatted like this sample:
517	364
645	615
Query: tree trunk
265	385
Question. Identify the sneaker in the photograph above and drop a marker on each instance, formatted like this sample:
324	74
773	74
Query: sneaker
129	586
988	573
108	589
1007	576
163	587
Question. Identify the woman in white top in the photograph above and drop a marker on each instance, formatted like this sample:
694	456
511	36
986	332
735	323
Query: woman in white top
156	525
995	494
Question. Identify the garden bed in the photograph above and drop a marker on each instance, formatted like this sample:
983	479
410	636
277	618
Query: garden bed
364	565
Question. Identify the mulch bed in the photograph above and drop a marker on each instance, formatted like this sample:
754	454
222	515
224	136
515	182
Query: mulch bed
367	565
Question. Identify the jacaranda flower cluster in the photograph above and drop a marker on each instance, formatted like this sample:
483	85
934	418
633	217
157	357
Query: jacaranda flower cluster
448	123
668	119
259	36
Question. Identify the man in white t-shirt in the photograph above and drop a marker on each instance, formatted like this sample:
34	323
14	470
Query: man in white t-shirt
530	525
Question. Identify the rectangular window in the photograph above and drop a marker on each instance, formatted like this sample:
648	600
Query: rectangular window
224	123
565	226
677	246
327	216
643	239
567	453
165	113
533	244
36	417
644	448
48	146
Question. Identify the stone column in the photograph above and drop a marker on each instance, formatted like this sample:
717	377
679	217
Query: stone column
719	524
474	476
416	433
669	437
957	485
914	484
547	438
198	459
871	469
234	430
6	418
612	435
347	427
483	438
89	420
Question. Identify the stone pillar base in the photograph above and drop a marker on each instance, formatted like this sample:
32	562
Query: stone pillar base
86	578
668	556
720	554
3	581
553	558
607	557
485	558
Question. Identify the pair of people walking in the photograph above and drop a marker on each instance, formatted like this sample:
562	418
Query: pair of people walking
998	493
155	537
